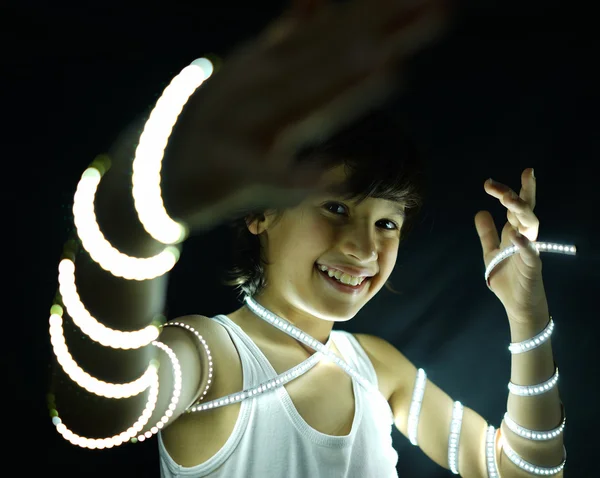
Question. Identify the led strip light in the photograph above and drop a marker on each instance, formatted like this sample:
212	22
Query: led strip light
540	246
129	434
147	163
89	325
115	440
532	390
84	379
100	250
177	379
206	349
454	438
530	467
490	453
533	343
536	435
415	406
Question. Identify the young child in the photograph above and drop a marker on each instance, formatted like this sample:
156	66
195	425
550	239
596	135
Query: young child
319	228
322	422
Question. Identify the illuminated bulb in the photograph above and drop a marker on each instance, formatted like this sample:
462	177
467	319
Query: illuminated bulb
147	163
530	467
454	438
89	325
100	250
415	406
115	440
84	379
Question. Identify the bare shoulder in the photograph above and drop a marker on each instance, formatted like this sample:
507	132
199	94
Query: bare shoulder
196	341
195	437
199	328
394	370
194	320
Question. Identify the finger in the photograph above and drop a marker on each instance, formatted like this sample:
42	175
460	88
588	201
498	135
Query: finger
521	210
527	250
527	192
313	65
315	89
345	26
512	219
516	204
349	64
487	232
528	188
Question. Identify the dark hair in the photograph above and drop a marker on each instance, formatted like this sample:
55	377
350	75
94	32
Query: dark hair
382	161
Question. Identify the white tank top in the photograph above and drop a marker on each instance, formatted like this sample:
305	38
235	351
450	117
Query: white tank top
271	439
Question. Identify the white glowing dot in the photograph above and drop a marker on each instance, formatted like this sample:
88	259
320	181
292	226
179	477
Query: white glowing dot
206	65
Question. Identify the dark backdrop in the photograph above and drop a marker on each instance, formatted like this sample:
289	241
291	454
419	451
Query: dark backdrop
511	87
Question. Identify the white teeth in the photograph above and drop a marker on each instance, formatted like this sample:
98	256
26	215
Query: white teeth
342	276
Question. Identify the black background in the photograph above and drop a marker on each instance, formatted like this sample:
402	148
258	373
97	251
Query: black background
510	87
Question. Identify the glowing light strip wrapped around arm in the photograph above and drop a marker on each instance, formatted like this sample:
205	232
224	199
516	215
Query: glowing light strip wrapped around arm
100	250
147	163
206	349
115	440
540	246
490	453
84	379
137	427
454	438
415	406
492	433
536	435
533	343
89	325
177	379
532	390
530	467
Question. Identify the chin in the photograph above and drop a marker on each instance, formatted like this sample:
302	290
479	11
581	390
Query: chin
339	313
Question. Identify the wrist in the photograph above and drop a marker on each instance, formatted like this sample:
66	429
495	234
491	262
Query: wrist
525	327
520	331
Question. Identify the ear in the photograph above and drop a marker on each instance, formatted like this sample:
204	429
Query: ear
254	223
258	223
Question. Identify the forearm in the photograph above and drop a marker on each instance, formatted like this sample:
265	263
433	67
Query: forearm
115	302
539	412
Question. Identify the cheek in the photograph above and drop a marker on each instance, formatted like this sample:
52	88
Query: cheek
302	242
387	259
314	236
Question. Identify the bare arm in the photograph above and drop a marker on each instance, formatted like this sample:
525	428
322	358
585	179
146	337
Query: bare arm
124	305
540	412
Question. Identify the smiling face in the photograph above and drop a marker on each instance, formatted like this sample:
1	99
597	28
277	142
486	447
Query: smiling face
327	230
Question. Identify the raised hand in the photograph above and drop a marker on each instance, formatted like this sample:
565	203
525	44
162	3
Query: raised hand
302	79
517	280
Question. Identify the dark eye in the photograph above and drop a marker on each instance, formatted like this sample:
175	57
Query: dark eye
393	224
333	206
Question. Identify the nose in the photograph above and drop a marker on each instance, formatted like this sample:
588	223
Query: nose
360	243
